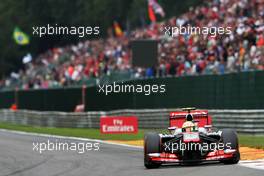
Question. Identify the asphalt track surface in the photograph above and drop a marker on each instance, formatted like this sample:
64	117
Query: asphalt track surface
17	158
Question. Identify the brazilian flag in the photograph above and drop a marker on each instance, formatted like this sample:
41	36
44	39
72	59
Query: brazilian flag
20	37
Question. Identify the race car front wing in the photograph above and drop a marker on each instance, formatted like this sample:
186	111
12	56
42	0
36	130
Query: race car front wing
216	155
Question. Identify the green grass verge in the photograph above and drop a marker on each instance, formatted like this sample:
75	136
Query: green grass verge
251	141
74	132
245	140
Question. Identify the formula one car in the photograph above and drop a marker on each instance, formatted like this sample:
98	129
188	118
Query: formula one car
191	140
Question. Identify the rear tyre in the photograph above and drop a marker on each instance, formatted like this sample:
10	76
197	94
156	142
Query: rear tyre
151	145
230	136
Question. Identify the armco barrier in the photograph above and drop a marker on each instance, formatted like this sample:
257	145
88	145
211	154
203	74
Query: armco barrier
244	121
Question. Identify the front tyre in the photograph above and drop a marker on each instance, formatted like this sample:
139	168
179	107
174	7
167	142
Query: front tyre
151	145
230	136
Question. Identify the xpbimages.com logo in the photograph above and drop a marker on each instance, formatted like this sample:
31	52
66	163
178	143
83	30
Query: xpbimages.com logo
175	31
80	31
146	89
79	147
173	146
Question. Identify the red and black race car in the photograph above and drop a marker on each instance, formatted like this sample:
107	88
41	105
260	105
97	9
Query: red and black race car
191	140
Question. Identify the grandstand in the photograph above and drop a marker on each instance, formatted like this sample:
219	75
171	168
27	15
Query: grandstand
91	60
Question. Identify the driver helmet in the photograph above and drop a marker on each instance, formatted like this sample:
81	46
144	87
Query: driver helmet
188	126
189	117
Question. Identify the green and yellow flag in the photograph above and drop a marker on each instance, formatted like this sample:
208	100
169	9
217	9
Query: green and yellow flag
20	37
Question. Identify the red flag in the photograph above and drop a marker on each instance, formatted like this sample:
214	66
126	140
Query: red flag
151	13
156	7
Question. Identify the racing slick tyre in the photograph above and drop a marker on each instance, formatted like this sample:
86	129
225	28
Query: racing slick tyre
230	136
151	145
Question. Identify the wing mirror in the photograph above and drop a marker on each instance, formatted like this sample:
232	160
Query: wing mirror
208	127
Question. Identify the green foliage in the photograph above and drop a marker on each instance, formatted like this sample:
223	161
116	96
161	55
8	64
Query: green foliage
28	13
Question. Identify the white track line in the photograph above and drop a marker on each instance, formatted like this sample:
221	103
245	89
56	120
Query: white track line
255	164
68	137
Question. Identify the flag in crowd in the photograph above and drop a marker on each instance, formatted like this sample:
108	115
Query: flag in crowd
27	58
151	13
154	8
20	37
118	30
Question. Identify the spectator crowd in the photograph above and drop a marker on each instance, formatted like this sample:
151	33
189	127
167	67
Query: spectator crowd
189	54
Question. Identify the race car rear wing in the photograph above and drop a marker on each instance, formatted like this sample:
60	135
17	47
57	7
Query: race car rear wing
201	116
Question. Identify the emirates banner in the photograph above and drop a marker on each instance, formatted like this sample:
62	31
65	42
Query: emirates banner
118	124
